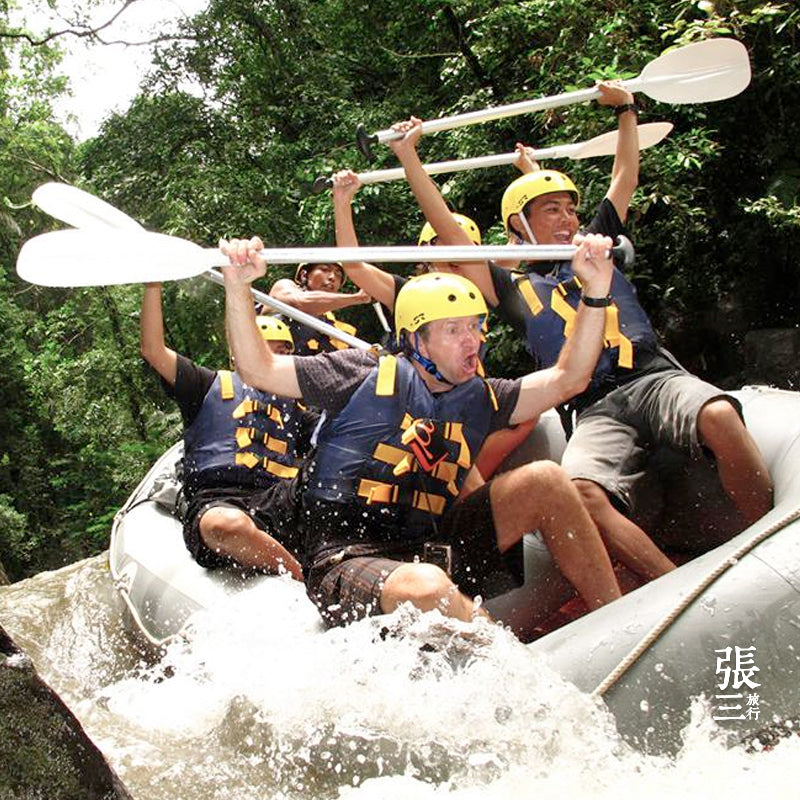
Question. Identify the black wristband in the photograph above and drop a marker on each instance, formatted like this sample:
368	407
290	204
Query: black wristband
626	107
596	302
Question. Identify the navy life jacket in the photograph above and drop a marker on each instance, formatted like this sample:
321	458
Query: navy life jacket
550	304
242	435
362	457
309	342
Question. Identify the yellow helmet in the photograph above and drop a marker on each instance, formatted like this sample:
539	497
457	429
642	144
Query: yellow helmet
274	330
427	234
436	295
532	185
302	271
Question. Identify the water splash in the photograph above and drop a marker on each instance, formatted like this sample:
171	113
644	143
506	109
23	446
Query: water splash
257	702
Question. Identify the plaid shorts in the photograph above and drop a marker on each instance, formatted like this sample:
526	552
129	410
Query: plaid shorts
346	584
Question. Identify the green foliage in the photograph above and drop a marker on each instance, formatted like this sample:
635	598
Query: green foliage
277	90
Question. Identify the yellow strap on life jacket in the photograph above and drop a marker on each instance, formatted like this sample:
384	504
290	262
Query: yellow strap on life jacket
528	293
280	470
404	462
248	460
611	334
379	492
342	326
345	327
247	406
387	375
246	436
614	338
226	390
250	406
454	431
492	395
564	310
273	467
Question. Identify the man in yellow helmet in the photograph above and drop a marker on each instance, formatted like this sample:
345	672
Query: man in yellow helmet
243	453
316	290
399	437
639	397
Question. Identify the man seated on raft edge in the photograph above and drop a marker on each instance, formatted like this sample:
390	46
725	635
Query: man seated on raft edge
399	437
243	453
639	395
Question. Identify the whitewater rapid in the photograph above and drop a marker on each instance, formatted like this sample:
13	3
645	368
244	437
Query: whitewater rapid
257	704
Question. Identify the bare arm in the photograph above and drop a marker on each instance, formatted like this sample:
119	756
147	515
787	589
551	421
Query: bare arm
151	327
625	172
316	303
572	372
433	206
500	444
257	364
371	279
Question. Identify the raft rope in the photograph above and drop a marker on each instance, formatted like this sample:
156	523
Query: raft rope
653	635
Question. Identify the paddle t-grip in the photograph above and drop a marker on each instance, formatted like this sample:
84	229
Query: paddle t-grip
622	252
320	184
365	142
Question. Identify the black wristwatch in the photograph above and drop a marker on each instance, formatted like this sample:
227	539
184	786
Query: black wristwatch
626	107
596	302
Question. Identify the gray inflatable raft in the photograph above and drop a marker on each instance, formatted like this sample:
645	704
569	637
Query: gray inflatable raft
647	655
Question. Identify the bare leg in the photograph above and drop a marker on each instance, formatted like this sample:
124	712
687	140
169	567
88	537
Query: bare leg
625	540
230	532
428	588
742	470
540	496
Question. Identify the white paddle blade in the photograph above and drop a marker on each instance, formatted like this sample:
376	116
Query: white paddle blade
650	133
81	209
698	73
104	257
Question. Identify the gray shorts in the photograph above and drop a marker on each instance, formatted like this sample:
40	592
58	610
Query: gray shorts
615	436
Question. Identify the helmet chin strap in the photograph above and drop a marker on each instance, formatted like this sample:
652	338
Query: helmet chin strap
428	365
528	232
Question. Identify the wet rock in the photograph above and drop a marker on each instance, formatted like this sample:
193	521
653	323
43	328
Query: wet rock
44	751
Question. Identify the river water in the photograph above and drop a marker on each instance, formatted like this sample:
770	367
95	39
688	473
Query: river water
254	704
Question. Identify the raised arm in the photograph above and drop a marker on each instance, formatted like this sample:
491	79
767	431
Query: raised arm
151	327
433	206
370	279
314	302
625	172
572	372
256	363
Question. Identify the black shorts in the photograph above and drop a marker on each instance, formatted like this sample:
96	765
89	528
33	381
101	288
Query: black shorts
272	508
346	583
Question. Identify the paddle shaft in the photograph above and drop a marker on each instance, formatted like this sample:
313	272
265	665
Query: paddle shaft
622	252
501	112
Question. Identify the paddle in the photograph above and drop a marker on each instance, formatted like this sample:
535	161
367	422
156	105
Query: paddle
697	73
85	211
107	258
650	134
